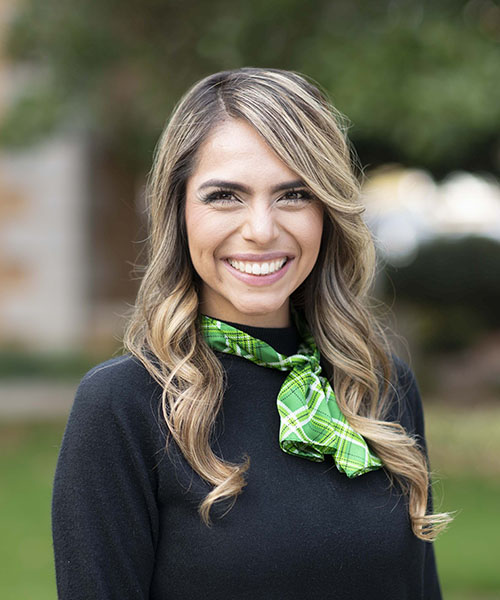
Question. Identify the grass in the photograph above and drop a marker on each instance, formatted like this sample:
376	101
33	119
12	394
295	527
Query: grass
464	447
467	553
28	454
18	364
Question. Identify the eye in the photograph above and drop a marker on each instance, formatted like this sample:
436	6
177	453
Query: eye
220	196
296	196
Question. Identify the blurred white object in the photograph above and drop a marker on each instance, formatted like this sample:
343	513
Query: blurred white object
405	207
469	204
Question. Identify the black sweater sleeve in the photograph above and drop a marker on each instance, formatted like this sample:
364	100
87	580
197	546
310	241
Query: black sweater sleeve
105	518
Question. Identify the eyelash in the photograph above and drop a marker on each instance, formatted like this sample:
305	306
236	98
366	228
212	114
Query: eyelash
215	196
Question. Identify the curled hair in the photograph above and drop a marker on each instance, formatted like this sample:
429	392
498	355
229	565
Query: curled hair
304	130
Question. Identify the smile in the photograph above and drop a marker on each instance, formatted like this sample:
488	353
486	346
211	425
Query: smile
258	268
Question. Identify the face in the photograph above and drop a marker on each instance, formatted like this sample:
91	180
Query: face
254	230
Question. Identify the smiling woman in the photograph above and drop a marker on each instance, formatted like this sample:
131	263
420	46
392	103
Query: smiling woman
194	466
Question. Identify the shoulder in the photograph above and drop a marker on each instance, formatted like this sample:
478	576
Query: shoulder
121	386
404	379
120	372
112	433
406	403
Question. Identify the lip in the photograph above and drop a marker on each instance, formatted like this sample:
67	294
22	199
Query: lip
259	280
259	257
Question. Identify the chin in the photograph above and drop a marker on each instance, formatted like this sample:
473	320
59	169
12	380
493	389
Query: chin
266	315
253	309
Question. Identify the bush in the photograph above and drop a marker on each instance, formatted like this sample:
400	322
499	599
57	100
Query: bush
456	282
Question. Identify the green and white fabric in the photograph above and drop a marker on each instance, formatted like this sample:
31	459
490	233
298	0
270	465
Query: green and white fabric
311	422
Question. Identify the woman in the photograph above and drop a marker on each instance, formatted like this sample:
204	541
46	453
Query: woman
295	458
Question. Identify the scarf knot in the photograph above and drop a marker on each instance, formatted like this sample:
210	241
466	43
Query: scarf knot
311	423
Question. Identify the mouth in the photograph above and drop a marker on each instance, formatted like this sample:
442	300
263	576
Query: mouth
260	268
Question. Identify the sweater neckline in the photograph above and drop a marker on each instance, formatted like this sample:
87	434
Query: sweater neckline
284	340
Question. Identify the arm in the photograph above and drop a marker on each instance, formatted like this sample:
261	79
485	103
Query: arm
104	513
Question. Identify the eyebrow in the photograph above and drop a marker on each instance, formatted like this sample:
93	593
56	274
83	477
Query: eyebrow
245	190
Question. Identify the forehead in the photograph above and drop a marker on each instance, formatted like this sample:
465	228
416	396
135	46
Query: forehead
234	148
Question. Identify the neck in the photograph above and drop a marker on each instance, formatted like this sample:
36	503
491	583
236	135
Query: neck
279	318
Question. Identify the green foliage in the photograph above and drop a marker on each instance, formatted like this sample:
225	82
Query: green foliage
18	364
449	329
35	115
455	284
418	79
453	271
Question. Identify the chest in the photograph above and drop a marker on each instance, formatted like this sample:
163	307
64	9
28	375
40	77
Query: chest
298	527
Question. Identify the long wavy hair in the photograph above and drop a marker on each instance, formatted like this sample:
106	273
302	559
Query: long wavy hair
308	134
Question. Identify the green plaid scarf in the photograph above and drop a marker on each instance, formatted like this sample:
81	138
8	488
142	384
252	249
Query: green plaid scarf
311	422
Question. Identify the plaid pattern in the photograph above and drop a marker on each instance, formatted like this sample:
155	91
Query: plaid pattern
311	422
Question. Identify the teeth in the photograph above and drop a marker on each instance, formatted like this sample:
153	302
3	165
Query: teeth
260	268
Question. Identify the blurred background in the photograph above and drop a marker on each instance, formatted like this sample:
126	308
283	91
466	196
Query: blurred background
85	90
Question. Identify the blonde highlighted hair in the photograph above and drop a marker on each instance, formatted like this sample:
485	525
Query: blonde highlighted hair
306	132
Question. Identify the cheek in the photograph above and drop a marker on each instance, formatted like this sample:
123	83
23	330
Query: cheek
195	234
204	233
311	231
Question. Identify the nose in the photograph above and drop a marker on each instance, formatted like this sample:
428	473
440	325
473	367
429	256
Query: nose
260	225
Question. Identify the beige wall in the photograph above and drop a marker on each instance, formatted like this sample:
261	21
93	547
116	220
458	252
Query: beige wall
43	270
43	235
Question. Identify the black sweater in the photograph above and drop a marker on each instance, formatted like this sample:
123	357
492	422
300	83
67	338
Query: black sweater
125	521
